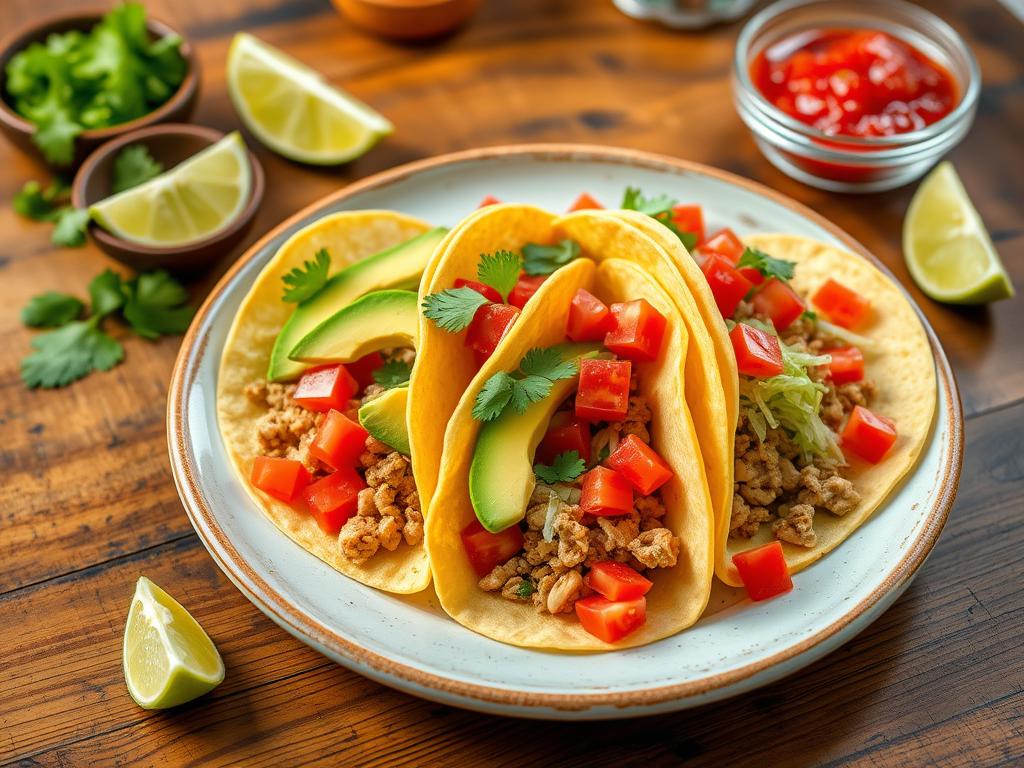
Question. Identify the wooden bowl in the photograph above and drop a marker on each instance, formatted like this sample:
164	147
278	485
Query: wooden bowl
170	144
408	19
178	108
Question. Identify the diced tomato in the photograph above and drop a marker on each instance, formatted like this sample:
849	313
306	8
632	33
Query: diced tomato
689	218
322	389
753	275
603	393
728	286
490	325
617	581
763	571
726	244
776	300
847	364
641	465
488	200
638	332
843	306
281	478
611	621
486	550
363	368
584	202
482	288
757	353
339	441
334	499
589	318
524	289
605	493
566	432
868	435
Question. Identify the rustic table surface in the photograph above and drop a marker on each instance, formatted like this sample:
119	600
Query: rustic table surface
87	503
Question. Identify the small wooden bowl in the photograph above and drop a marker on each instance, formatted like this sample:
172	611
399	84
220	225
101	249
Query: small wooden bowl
170	144
408	19
19	131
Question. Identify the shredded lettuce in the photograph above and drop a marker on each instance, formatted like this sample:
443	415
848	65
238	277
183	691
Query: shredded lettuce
838	332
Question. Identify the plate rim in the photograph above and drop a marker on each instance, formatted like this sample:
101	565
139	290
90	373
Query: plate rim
255	588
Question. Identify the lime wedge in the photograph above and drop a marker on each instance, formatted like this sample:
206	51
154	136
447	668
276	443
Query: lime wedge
946	246
168	658
294	111
193	200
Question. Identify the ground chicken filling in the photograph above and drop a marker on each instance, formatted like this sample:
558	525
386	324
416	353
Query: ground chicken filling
388	510
550	573
774	485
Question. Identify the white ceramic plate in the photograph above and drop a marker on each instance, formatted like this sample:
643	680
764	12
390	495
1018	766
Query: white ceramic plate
409	643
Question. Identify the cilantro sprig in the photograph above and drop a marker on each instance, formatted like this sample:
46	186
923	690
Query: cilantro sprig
134	166
51	310
564	468
393	373
532	381
767	265
659	208
453	309
52	204
545	259
303	283
500	270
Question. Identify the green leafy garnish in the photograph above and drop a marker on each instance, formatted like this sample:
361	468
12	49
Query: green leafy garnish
50	204
548	363
565	468
155	305
69	353
545	259
493	396
394	373
809	315
51	309
500	270
767	265
532	382
105	293
453	309
133	166
303	283
525	588
659	208
71	226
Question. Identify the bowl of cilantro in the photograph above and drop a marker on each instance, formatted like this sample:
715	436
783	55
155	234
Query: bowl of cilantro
73	81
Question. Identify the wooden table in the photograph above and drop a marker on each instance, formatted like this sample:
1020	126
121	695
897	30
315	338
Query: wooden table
87	503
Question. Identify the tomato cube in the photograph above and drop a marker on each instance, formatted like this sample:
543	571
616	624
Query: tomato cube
482	288
339	441
487	550
757	353
363	368
617	581
334	499
589	318
726	244
584	202
843	306
847	364
281	478
728	286
639	331
778	302
689	218
640	464
611	621
322	389
566	432
763	571
490	325
753	275
868	435
524	289
606	493
603	393
488	200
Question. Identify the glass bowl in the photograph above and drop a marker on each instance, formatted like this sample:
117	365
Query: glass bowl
849	163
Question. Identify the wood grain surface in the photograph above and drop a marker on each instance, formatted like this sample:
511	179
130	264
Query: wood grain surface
87	503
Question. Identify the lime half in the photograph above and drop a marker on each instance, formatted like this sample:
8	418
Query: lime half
294	111
192	201
946	246
168	658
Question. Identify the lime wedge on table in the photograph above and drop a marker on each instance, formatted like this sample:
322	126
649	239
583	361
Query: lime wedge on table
195	199
947	248
294	111
168	658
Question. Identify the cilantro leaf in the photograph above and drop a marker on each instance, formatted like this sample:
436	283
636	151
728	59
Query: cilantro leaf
529	390
133	166
500	270
69	353
531	382
493	397
545	259
51	309
809	314
659	208
548	363
71	227
393	373
565	468
106	293
156	305
452	309
767	265
525	588
32	202
304	282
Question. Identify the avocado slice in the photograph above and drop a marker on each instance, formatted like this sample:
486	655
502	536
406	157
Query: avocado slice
375	321
398	267
501	478
384	418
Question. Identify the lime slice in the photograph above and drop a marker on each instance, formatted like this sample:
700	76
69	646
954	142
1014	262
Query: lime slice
192	201
168	658
947	248
294	111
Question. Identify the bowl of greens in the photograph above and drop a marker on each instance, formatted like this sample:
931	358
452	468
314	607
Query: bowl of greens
73	81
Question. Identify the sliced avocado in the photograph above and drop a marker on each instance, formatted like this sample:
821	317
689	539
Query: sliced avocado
384	418
398	267
375	321
501	478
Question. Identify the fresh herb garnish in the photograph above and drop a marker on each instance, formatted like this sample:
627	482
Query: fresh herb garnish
537	373
155	305
394	373
545	259
565	468
133	166
525	588
767	265
51	204
304	282
71	226
51	310
69	353
659	208
810	315
453	309
500	270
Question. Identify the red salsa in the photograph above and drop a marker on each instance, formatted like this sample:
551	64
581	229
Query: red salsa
854	82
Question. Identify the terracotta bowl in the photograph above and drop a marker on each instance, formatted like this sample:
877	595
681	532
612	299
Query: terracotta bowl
408	19
170	144
19	131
